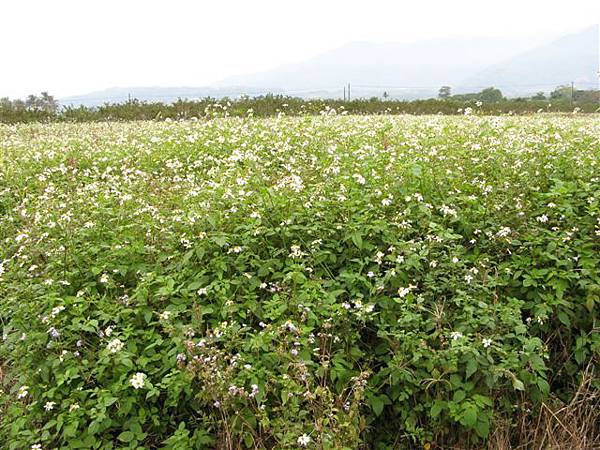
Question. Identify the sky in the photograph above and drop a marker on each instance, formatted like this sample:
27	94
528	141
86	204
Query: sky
70	47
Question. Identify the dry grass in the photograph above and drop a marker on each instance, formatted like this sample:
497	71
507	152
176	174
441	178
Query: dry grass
558	425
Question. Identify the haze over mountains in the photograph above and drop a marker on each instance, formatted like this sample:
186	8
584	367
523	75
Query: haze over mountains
407	70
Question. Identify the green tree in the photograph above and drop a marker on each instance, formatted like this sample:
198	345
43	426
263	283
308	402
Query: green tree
45	102
561	93
445	92
5	103
539	96
491	95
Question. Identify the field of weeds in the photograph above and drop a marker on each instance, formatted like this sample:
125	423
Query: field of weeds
315	282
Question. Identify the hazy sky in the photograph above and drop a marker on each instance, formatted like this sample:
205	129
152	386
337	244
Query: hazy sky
74	46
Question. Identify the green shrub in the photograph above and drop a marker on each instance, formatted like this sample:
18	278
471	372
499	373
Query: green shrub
328	282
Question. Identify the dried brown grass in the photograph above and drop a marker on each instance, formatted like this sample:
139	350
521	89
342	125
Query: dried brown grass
557	425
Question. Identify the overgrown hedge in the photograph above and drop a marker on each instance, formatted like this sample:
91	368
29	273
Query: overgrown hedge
270	105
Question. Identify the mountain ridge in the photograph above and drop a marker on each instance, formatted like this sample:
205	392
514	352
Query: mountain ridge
405	70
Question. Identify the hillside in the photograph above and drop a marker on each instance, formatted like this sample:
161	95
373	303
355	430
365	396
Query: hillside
403	70
572	58
419	68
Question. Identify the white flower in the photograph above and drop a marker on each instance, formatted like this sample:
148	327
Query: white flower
49	406
74	407
296	252
138	380
404	291
23	392
56	311
104	278
202	291
486	342
542	219
36	447
304	440
455	335
455	260
165	315
359	178
503	232
54	333
114	346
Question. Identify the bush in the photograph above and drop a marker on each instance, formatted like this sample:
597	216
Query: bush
319	282
488	102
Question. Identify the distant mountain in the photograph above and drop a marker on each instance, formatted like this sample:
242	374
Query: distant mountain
405	70
157	94
572	58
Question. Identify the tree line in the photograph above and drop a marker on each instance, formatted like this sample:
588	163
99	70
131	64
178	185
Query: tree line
562	93
45	108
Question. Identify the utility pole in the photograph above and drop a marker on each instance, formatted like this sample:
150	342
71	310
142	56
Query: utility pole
598	93
572	92
348	91
344	92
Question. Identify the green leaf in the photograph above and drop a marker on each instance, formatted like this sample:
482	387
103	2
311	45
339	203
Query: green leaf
126	436
377	403
590	301
482	427
518	384
471	368
221	241
458	396
436	408
357	239
543	386
564	318
187	256
469	417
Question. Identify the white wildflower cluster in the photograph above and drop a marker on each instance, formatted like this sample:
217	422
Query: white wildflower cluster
23	392
404	291
296	252
115	345
304	440
138	380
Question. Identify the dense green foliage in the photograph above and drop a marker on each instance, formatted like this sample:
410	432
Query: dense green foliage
489	102
321	282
